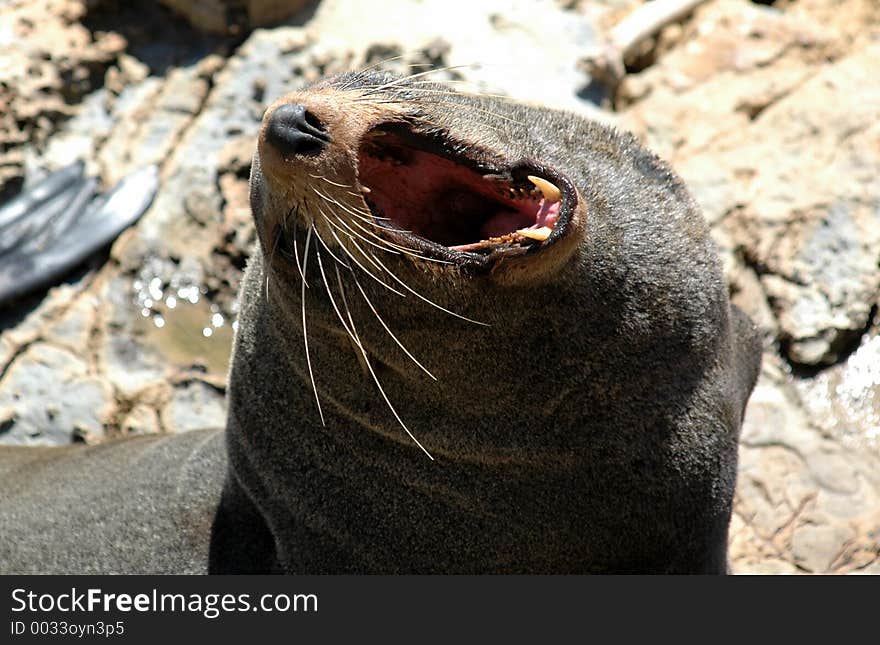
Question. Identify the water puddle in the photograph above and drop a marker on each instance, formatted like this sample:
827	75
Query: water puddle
177	319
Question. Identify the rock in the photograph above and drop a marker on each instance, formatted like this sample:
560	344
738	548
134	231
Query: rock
816	547
802	498
195	406
49	397
520	49
735	59
844	401
780	158
48	60
811	222
142	419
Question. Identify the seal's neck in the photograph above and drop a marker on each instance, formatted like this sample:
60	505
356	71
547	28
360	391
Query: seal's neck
521	437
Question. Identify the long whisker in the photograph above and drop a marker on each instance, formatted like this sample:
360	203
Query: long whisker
360	214
390	333
384	244
329	181
366	256
333	202
378	264
327	248
370	257
339	315
355	260
299	265
427	300
463	110
369	68
305	331
350	232
461	113
403	249
473	108
372	371
371	220
404	79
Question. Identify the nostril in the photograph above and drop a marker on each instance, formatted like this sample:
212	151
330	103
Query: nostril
293	130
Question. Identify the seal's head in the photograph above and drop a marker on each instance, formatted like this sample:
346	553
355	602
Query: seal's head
374	160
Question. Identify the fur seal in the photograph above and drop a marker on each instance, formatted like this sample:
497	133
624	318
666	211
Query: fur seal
475	337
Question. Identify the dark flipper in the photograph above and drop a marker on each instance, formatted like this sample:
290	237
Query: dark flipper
62	228
47	230
747	353
19	206
22	225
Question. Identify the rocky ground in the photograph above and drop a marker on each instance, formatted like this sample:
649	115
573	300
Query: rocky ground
768	110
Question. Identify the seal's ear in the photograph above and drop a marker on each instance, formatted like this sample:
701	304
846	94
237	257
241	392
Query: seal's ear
256	186
747	352
261	202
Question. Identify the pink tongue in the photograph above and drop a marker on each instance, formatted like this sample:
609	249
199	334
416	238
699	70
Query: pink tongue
502	224
548	213
507	222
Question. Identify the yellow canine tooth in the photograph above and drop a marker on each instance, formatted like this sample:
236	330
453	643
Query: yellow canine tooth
539	234
550	192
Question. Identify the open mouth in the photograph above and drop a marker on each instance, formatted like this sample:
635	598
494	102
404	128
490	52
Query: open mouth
430	191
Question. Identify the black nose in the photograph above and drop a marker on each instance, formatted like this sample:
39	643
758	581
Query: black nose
294	131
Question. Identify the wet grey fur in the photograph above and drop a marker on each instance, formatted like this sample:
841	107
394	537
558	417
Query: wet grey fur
592	427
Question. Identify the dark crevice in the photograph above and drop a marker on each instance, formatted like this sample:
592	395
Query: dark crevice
7	424
748	258
191	377
645	56
753	111
597	93
157	36
12	187
844	346
21	349
760	268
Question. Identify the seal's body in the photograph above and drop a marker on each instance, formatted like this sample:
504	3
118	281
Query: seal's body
475	336
580	410
141	505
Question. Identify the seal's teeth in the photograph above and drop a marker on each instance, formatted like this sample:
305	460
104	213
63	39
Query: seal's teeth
539	234
551	193
366	190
